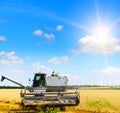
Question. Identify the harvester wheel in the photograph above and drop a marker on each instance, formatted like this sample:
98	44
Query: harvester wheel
22	105
62	108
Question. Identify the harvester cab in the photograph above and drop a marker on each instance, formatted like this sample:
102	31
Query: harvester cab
48	91
39	80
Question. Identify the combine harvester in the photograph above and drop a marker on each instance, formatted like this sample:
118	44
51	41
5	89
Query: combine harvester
48	91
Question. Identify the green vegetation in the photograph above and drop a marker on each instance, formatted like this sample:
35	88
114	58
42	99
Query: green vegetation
84	87
100	88
10	87
57	75
47	110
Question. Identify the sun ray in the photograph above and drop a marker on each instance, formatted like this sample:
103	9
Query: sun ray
98	14
114	23
77	25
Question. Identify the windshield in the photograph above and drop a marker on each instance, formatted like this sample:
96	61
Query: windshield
37	77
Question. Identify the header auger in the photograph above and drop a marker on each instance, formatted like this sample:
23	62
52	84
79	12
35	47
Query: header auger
48	91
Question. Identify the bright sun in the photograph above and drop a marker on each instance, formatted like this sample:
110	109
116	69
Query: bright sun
101	31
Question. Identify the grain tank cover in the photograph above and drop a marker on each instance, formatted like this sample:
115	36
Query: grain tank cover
56	81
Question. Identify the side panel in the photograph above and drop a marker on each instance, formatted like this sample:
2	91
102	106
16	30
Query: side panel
56	81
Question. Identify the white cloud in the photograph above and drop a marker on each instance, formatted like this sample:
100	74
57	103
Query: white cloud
38	67
38	32
58	60
9	58
49	36
112	71
11	55
73	79
45	35
59	27
2	38
116	82
92	44
4	62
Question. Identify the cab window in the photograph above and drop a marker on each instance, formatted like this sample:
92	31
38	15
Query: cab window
37	78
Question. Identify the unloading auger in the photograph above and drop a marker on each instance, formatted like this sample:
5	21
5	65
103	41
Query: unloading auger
48	91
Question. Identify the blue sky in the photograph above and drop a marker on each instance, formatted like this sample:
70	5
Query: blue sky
76	38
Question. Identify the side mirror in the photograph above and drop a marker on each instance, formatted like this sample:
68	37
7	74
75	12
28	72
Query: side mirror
29	80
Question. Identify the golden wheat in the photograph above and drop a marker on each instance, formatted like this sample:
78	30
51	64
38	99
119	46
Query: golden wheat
100	100
107	101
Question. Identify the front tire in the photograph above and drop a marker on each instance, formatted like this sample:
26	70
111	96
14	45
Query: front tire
62	108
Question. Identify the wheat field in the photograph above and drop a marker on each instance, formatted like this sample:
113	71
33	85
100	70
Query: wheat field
92	101
107	101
